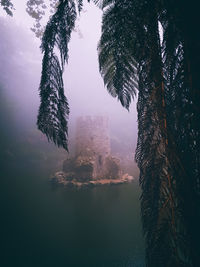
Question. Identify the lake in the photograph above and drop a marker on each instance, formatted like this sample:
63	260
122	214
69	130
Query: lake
46	225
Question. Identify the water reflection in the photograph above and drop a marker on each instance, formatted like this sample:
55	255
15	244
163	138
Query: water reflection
44	225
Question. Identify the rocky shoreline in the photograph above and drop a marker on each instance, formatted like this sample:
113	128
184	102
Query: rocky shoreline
60	179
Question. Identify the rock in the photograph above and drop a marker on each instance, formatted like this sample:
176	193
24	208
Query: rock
84	168
69	165
112	168
59	175
69	176
78	168
127	177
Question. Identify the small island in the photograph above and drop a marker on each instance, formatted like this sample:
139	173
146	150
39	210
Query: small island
93	164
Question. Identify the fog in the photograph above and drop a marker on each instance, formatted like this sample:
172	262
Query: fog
19	81
43	224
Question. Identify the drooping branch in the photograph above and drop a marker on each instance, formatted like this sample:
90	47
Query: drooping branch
54	109
116	62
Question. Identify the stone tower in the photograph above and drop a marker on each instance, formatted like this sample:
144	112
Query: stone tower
92	159
93	141
92	136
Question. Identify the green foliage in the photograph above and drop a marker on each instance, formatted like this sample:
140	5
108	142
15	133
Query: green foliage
36	9
117	64
80	5
158	202
53	5
7	6
54	110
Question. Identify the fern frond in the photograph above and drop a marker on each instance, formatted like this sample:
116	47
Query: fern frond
116	62
79	5
54	110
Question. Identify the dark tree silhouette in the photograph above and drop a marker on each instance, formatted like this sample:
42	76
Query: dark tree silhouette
181	56
168	117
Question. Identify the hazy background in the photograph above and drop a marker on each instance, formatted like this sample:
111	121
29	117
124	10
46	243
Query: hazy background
42	225
20	70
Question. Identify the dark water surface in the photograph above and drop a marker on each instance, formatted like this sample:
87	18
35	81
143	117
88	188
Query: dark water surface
44	225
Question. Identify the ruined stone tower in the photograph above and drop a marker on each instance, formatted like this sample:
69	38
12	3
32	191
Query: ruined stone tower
93	141
92	136
92	159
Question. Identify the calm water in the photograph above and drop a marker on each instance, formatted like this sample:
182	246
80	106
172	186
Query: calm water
43	225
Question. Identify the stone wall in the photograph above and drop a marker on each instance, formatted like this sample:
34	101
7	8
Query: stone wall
93	140
93	160
92	136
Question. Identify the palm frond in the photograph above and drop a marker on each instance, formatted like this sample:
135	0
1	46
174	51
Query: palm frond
54	110
116	62
79	5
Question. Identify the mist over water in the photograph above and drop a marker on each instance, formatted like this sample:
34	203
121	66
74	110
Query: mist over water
53	226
